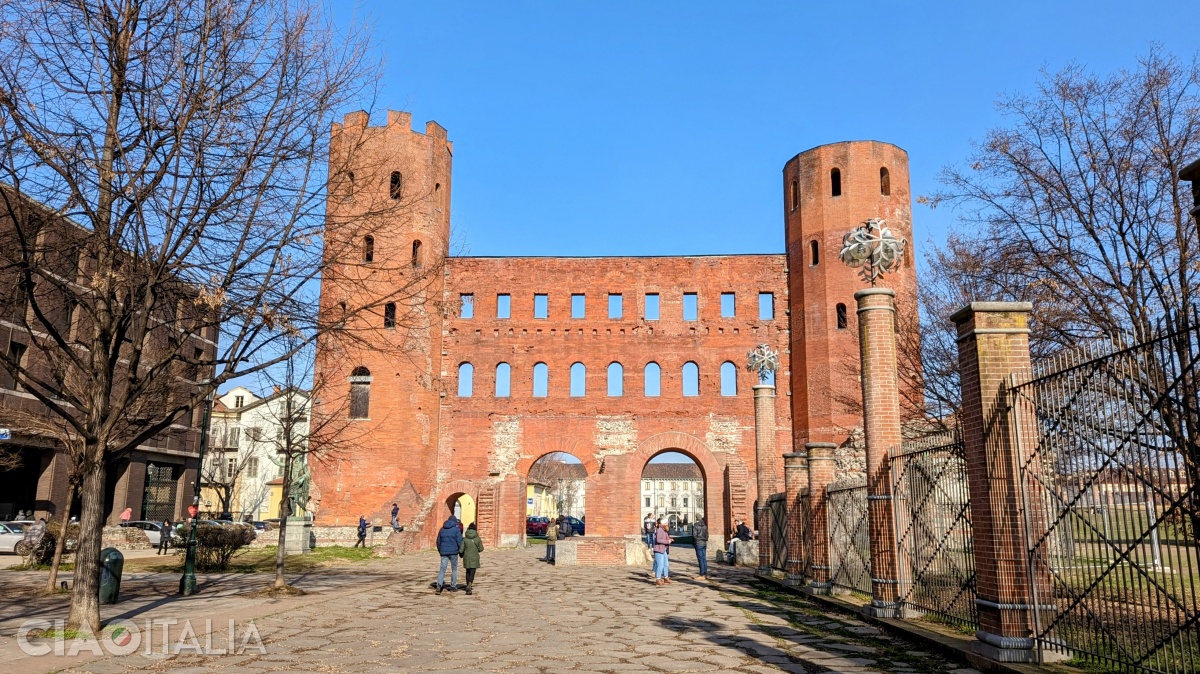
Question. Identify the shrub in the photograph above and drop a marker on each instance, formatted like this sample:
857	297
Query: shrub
216	544
43	553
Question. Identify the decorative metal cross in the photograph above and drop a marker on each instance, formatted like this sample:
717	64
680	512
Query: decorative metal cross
872	246
763	361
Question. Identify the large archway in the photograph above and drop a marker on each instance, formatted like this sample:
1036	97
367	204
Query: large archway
673	488
556	486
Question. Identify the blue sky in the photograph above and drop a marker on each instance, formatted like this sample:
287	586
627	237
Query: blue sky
622	128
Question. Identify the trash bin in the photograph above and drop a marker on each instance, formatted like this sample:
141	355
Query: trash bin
111	563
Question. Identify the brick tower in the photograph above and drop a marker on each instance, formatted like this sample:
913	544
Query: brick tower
828	191
388	226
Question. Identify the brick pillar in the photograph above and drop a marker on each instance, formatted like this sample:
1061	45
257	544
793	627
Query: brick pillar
993	342
795	481
764	458
820	474
881	427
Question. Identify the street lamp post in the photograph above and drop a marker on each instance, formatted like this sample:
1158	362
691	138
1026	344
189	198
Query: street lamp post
187	583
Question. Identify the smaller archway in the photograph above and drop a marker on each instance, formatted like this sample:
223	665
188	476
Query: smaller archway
462	506
556	486
673	488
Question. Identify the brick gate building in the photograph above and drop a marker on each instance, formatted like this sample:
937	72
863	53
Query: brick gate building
613	360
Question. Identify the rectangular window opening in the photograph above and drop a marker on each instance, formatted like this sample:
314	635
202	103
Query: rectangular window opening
615	306
766	306
728	305
466	306
503	305
578	306
541	306
652	306
690	307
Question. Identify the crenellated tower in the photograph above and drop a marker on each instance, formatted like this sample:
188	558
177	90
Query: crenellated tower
828	191
387	238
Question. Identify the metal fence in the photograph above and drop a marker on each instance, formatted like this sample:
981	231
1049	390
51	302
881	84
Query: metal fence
933	527
777	512
849	539
1111	483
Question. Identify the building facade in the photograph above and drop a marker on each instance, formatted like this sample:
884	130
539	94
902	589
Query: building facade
613	360
156	479
247	437
674	491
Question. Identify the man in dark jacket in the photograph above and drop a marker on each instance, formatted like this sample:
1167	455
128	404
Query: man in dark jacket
700	537
565	530
396	517
362	532
551	540
449	544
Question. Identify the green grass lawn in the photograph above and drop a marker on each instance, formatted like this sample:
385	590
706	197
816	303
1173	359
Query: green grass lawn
262	560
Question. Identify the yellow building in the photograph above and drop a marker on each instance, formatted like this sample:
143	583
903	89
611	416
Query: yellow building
539	502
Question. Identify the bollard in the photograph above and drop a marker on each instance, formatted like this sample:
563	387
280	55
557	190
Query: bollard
111	563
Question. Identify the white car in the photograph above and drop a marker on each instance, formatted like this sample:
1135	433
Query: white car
11	533
153	529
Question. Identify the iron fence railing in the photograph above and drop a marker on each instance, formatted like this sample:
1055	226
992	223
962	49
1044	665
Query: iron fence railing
933	527
1110	492
849	539
777	511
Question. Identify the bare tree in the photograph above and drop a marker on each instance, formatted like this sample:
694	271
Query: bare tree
561	478
1075	204
223	474
165	167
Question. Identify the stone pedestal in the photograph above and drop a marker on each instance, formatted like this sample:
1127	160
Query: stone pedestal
298	537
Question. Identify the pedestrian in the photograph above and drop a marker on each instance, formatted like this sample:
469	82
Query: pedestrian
471	547
449	544
662	546
164	538
362	532
700	540
396	517
126	514
740	533
551	538
648	528
565	530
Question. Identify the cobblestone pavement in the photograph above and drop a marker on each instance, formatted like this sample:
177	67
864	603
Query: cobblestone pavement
526	617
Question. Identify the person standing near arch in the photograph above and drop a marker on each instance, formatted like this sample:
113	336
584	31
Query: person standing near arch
700	536
662	547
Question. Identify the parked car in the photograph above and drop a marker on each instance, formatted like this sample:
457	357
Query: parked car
259	526
11	533
536	526
577	525
153	529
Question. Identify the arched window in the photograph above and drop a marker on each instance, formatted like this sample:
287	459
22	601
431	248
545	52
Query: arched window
835	182
368	248
541	380
885	181
416	253
814	252
691	379
349	193
360	393
466	380
795	194
728	379
503	383
578	380
653	376
396	186
389	316
841	316
616	380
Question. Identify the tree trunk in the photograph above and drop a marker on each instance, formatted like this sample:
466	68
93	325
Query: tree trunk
285	509
61	543
85	593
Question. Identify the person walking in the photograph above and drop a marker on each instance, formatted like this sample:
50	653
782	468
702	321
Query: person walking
648	528
551	539
662	544
700	538
126	514
362	532
449	544
396	517
164	538
471	547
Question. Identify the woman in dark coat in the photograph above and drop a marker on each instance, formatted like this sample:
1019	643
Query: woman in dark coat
471	547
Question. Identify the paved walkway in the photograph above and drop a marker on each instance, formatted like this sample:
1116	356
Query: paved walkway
525	617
